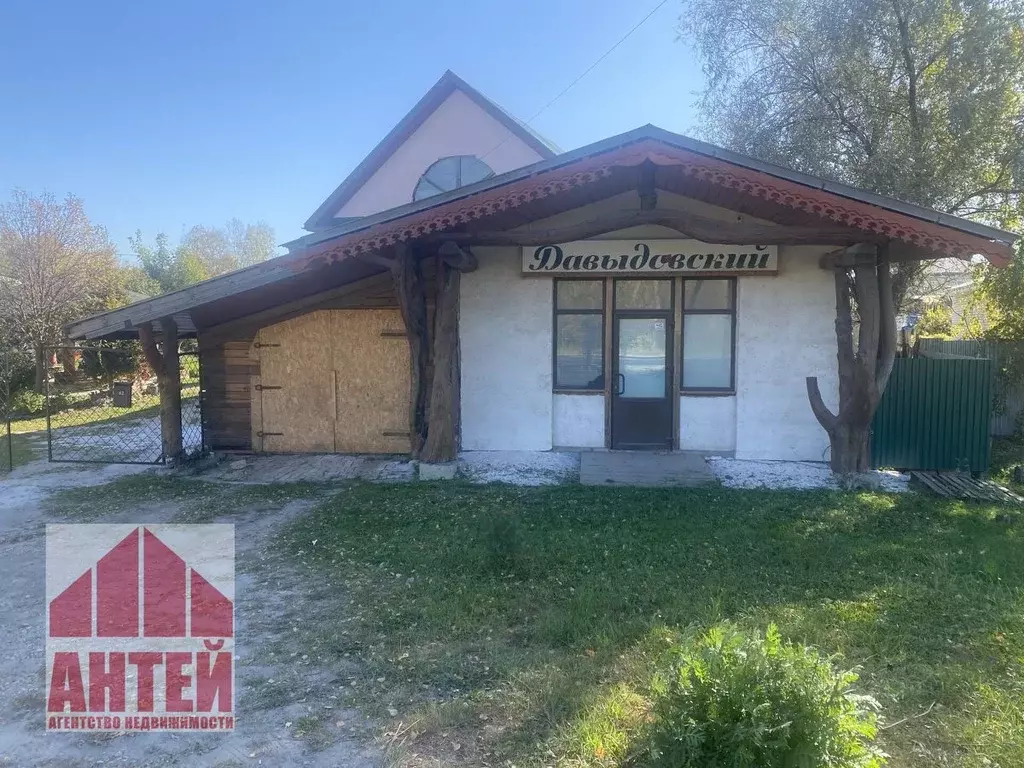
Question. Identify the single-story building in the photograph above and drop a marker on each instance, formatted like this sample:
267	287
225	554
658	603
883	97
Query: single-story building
470	287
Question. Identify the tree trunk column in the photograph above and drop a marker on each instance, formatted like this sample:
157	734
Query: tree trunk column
862	275
166	366
412	301
435	396
442	442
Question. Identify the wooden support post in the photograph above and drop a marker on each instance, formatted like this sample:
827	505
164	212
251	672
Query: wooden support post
442	443
865	359
435	394
412	300
167	368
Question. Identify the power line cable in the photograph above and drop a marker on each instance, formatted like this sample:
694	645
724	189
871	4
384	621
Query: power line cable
586	72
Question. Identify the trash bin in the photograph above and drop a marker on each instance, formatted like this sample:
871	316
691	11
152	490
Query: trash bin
123	394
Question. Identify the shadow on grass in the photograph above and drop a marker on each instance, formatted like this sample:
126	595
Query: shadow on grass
926	596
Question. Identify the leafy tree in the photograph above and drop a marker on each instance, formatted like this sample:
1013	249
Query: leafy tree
134	284
937	321
156	260
999	297
204	252
1000	292
55	266
188	269
922	100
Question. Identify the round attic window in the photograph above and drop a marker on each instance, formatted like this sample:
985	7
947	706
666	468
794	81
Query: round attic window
450	173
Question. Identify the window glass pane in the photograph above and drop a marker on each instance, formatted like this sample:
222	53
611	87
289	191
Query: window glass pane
474	170
707	294
425	189
642	357
579	294
579	352
444	174
707	351
643	294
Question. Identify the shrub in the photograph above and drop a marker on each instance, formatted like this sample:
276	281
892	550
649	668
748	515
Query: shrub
17	370
27	402
738	701
119	358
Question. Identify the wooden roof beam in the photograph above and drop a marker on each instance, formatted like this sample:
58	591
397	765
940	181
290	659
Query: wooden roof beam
692	225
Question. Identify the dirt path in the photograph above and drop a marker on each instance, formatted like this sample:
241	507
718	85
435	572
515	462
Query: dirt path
287	711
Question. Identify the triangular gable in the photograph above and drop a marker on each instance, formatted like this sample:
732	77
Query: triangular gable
451	119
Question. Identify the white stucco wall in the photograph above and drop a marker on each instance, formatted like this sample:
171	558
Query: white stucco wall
579	421
707	424
458	127
785	332
505	338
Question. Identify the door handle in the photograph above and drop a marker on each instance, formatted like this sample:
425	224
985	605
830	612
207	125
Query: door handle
620	380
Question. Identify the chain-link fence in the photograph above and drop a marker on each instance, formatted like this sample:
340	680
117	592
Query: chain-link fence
102	405
7	364
6	439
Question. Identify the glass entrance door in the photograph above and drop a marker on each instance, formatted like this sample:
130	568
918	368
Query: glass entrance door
641	403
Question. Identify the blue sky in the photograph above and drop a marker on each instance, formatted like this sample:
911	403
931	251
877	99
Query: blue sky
164	115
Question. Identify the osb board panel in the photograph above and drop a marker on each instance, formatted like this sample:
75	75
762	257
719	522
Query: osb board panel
372	370
300	364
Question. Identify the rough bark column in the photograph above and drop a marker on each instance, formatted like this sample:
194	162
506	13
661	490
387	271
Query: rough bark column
862	274
167	368
442	442
407	275
445	387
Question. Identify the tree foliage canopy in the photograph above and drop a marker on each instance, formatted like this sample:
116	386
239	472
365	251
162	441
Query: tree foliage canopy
922	100
203	252
55	266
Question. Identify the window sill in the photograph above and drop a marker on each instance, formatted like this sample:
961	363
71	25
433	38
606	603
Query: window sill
577	391
708	393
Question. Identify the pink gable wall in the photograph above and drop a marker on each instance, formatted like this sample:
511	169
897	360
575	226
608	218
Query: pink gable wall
457	127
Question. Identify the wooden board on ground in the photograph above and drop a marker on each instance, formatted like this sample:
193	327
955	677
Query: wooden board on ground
960	485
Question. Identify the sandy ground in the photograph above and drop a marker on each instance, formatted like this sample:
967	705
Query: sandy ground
270	599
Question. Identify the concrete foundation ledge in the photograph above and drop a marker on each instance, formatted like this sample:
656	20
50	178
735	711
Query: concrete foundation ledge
444	471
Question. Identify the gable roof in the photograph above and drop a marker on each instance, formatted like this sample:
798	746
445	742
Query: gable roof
790	188
441	90
532	192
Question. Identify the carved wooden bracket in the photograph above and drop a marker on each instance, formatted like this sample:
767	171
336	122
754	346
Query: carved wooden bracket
457	257
645	186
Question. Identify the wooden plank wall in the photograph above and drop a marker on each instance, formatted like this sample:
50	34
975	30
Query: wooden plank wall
227	370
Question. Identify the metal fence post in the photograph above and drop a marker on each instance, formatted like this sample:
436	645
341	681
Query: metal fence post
49	431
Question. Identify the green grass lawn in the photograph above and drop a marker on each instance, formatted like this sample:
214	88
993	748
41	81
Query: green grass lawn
503	624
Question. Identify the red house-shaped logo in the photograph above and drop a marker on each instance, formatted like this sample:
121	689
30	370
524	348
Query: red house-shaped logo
176	600
140	627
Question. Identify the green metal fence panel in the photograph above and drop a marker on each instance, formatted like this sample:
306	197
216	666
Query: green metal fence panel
935	415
